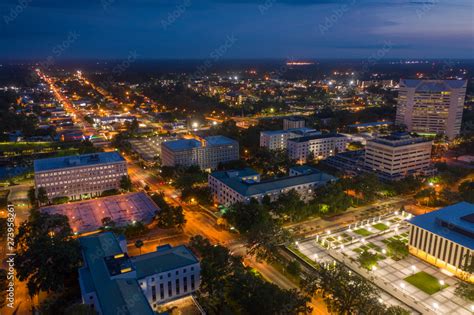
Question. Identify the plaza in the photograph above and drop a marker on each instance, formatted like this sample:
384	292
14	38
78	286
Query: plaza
86	216
419	285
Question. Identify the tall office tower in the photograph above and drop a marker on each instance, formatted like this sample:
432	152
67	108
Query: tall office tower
431	106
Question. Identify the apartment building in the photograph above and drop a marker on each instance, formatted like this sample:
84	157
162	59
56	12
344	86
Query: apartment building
445	238
278	139
229	187
431	106
112	283
398	155
207	154
319	147
79	176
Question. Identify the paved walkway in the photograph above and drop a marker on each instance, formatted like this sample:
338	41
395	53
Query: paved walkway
389	274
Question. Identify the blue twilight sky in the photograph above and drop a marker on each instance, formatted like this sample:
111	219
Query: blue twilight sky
236	29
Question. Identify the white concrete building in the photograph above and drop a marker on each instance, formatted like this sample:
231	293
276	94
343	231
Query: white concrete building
398	155
111	282
318	146
207	154
431	106
445	238
229	187
278	139
86	175
293	123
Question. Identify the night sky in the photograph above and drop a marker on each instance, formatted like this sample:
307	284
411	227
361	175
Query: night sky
223	29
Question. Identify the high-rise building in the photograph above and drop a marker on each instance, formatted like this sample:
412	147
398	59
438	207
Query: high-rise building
293	123
445	238
398	155
112	282
207	154
318	147
86	175
431	106
278	139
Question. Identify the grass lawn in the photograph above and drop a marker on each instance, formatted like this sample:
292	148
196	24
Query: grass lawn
380	226
363	232
425	282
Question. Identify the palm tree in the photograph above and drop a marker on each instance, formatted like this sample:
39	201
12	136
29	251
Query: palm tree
139	244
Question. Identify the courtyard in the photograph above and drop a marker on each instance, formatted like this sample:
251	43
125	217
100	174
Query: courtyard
364	247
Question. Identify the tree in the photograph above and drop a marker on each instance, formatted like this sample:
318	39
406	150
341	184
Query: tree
3	228
125	183
465	289
3	287
59	200
367	260
47	253
397	249
293	268
466	189
32	196
42	195
227	287
168	216
139	244
136	229
344	291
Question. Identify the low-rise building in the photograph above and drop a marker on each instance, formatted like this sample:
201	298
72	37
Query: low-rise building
79	176
293	122
399	155
112	282
229	187
445	238
207	154
278	139
318	147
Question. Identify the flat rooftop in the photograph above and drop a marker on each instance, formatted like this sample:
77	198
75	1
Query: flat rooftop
249	189
291	130
452	222
164	259
112	294
86	216
77	161
219	140
399	139
433	85
317	136
182	144
105	260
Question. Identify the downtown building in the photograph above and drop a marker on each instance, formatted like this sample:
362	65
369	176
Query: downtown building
229	187
319	146
293	122
398	155
113	283
278	139
207	153
81	176
431	106
445	238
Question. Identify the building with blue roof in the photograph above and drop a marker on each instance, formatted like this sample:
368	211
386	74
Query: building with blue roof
114	283
207	153
431	106
229	187
445	238
80	176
